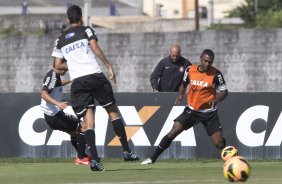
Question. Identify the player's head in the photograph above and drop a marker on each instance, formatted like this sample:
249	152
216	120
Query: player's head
74	13
206	59
175	52
60	72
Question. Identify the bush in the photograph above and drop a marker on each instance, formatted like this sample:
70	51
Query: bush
270	19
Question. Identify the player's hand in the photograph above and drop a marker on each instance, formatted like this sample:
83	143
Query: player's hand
112	76
178	99
62	105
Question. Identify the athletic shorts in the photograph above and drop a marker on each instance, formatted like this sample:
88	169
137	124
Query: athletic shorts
62	121
188	118
87	88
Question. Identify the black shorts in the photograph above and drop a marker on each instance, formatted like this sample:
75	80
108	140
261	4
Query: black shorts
87	88
188	118
63	122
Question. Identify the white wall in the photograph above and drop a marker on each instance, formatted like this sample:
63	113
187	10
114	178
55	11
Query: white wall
169	9
221	6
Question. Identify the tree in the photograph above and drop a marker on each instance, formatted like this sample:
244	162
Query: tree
266	15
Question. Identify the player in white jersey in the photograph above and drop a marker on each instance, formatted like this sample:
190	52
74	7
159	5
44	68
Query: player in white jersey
78	45
53	106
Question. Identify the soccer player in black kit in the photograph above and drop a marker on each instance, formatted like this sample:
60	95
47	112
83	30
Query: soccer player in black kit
78	45
52	105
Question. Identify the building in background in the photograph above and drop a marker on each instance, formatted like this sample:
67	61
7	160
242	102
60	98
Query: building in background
186	8
119	15
165	8
170	9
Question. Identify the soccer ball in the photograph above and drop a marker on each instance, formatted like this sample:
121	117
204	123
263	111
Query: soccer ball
228	152
236	169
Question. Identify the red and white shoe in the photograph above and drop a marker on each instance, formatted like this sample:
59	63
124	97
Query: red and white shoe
84	161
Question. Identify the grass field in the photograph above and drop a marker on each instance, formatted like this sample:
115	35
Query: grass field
51	171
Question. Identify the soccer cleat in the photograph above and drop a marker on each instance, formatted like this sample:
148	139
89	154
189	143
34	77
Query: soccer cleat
84	161
147	161
130	156
97	166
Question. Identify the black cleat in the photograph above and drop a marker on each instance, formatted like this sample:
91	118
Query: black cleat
130	156
97	166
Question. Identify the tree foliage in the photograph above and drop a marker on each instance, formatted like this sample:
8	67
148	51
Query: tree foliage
267	13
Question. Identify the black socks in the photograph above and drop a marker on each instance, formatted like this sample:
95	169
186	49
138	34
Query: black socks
120	132
74	142
91	144
81	146
164	144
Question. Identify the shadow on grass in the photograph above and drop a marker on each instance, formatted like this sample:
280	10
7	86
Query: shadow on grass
130	169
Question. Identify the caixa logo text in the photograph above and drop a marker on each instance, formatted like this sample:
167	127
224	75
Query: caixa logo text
135	120
249	138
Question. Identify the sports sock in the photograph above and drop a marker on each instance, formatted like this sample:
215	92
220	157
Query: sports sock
81	146
91	145
74	142
164	144
120	132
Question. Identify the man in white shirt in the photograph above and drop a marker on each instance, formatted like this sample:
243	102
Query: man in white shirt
78	45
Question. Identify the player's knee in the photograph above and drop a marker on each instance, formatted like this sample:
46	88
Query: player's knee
173	133
177	128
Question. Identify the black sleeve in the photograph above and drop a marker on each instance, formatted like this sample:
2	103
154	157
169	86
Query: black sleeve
157	73
49	82
219	81
90	34
186	76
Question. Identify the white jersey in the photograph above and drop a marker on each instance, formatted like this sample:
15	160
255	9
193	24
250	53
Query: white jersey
53	85
73	45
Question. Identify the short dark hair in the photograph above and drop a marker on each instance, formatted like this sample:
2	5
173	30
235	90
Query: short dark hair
208	52
74	13
63	61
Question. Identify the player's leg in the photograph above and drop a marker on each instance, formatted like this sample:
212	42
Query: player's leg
214	129
73	126
78	142
183	122
218	139
82	144
119	129
82	157
81	147
83	106
177	128
106	99
90	139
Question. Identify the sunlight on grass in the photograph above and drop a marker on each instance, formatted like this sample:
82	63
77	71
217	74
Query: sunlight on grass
34	171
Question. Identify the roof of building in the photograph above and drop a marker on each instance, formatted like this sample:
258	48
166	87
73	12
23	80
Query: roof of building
113	21
95	3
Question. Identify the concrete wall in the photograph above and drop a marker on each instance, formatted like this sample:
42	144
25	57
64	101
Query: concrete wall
249	59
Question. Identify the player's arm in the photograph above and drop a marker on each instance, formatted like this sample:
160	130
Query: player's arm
156	74
59	61
46	96
93	42
182	91
48	86
183	87
65	82
221	87
100	54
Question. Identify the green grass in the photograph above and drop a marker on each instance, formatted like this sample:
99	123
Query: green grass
41	171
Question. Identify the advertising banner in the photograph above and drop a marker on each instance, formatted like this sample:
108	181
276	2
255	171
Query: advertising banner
251	121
